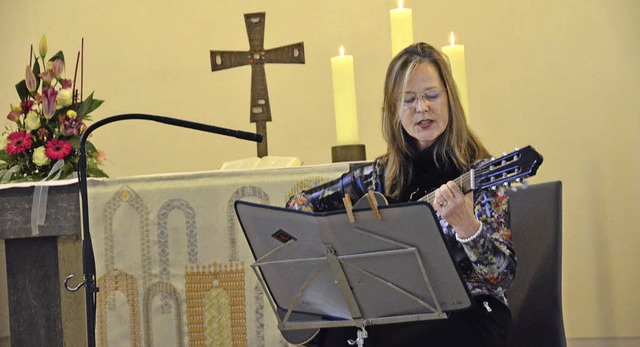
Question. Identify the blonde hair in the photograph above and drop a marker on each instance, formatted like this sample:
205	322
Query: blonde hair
456	147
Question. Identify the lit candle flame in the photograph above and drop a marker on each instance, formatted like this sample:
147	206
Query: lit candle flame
341	51
452	39
399	3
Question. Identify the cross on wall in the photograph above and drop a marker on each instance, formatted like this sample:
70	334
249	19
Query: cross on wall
257	57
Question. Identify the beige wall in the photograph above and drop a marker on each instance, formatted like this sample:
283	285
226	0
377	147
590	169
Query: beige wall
559	75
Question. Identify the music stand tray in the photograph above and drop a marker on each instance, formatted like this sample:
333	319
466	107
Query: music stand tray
320	270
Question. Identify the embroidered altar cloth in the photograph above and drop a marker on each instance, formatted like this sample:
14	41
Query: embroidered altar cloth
173	266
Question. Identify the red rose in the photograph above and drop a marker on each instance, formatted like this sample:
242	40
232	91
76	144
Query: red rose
18	142
57	149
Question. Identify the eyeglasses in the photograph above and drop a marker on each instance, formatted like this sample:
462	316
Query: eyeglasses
410	99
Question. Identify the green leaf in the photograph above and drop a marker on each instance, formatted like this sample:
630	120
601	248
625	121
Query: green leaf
88	105
67	170
22	90
84	105
75	142
36	71
95	172
90	148
4	156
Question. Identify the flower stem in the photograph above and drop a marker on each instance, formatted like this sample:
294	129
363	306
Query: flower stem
75	75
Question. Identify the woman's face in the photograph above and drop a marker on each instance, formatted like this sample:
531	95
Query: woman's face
425	108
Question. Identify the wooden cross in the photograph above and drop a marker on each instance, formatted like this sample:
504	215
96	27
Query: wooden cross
257	56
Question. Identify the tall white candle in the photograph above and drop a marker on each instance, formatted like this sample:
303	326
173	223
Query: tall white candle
401	28
344	99
459	71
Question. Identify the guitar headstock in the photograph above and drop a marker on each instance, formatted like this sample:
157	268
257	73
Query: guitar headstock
512	167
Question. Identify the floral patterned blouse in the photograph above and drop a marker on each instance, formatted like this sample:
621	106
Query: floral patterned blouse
487	263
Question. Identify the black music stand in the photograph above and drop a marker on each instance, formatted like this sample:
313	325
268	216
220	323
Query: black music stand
321	271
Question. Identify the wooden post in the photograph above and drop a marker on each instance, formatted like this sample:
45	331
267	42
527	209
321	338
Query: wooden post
39	257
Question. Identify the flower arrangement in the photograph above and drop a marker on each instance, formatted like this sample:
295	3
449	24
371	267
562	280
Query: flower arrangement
49	121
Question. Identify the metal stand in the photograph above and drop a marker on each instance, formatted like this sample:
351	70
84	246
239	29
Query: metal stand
321	270
362	334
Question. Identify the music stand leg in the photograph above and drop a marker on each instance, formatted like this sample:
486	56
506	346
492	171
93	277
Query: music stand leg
362	334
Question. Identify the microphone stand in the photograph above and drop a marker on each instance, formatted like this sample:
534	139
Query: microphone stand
88	258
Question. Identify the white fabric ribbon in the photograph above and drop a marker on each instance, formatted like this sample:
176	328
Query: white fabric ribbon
6	174
40	196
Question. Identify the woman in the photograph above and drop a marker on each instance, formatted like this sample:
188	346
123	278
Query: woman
428	145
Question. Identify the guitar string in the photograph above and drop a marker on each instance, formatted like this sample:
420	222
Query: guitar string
462	181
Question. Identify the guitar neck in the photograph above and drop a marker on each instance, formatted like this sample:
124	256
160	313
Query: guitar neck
464	181
514	166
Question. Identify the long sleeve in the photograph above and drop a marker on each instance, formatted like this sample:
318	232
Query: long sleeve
491	253
328	196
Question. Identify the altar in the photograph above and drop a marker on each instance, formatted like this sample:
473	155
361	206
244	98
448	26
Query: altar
173	266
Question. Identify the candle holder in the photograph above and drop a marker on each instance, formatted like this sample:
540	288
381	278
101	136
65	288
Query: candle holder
344	153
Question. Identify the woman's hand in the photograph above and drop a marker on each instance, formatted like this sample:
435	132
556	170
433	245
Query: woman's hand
456	209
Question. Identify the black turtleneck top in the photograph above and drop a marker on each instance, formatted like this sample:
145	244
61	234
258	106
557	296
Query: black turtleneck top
427	176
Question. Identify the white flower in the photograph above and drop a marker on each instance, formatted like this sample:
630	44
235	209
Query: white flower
64	98
39	157
31	121
3	141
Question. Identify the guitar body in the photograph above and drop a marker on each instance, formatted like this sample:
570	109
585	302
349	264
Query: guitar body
365	202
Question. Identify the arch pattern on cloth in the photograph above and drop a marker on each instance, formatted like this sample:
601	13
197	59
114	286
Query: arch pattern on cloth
234	254
127	196
232	221
200	280
113	282
164	267
155	289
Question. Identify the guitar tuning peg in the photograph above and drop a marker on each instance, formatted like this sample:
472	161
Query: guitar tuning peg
513	189
517	149
525	184
504	154
509	186
518	180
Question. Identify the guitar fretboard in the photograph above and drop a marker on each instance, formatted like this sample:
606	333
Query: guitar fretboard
463	181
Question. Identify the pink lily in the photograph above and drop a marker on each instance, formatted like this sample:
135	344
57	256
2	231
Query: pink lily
58	66
15	113
47	76
49	102
30	80
66	83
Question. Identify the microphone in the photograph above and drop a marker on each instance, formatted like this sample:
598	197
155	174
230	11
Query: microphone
172	121
88	257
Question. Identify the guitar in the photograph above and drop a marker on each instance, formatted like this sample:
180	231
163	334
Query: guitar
513	167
